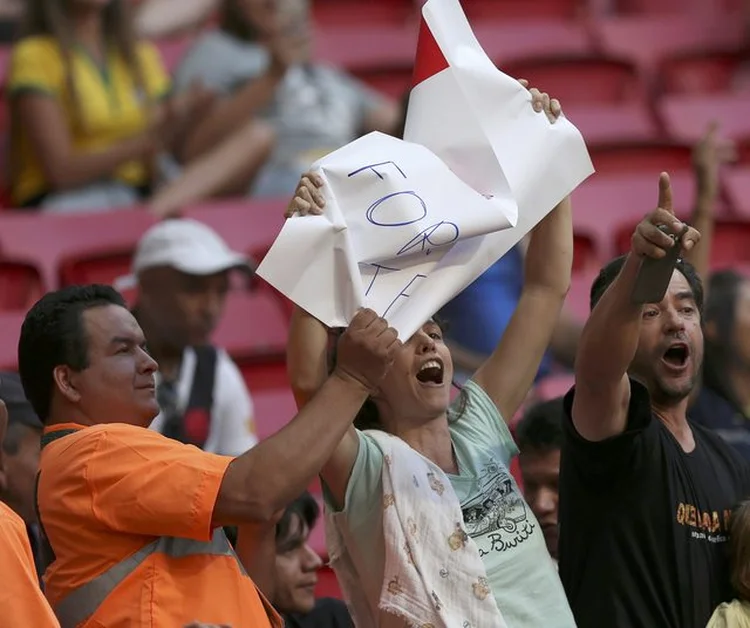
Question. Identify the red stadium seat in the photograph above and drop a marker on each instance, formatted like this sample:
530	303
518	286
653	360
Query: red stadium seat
640	157
699	73
61	247
686	118
250	226
328	13
506	10
20	286
604	124
510	42
582	79
585	252
328	585
367	46
10	330
647	39
665	7
577	301
737	185
253	327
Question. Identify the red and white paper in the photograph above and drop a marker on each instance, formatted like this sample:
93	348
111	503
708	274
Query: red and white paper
409	224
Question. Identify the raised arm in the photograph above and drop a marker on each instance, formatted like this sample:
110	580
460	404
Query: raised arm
268	477
708	156
610	337
509	372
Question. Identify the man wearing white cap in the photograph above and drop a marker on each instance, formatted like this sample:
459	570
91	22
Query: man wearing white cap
182	269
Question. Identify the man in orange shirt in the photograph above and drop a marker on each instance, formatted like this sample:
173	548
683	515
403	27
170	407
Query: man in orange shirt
134	518
22	602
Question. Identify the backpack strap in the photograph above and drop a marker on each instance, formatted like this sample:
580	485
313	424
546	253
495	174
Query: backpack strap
196	419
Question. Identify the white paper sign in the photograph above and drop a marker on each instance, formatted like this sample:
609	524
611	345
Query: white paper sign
393	211
408	225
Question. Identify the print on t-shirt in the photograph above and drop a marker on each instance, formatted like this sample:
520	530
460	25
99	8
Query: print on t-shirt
711	526
497	514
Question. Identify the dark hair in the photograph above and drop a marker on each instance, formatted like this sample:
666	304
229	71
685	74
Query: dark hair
721	305
52	334
610	272
14	435
541	427
233	22
305	509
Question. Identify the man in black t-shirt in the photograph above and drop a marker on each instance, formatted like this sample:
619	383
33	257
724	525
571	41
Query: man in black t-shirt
645	496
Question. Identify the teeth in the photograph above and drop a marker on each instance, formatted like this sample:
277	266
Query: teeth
430	364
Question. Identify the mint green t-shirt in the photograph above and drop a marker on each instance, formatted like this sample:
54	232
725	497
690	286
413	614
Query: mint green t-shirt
522	575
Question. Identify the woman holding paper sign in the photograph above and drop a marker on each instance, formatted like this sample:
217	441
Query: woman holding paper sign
423	501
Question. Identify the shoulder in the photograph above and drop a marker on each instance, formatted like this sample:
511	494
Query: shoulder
41	47
229	378
9	519
475	416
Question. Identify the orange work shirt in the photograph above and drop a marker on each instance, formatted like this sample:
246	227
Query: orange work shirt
22	602
106	493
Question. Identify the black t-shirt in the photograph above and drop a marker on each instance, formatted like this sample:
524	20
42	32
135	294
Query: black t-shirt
643	525
328	613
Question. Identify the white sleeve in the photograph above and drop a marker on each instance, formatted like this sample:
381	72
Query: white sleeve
233	409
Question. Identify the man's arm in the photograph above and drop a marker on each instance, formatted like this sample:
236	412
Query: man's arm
610	337
265	479
509	372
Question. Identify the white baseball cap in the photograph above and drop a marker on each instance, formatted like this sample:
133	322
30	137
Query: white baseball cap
186	245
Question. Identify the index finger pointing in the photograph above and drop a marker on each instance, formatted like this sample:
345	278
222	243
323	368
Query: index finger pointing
665	193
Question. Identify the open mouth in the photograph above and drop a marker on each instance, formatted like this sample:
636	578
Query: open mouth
431	372
676	355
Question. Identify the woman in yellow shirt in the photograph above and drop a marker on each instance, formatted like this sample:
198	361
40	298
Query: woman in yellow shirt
91	112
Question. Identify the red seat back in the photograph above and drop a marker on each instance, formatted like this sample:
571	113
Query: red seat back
641	158
582	80
20	286
699	73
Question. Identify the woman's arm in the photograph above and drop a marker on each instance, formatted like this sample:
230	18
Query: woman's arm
63	166
509	372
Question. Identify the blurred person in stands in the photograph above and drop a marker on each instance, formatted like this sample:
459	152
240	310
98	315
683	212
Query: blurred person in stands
160	19
133	518
91	114
259	62
710	154
420	474
21	447
22	602
736	614
723	403
297	565
539	435
645	495
182	269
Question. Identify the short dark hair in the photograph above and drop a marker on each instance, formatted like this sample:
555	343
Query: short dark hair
52	334
610	272
304	509
541	427
14	435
